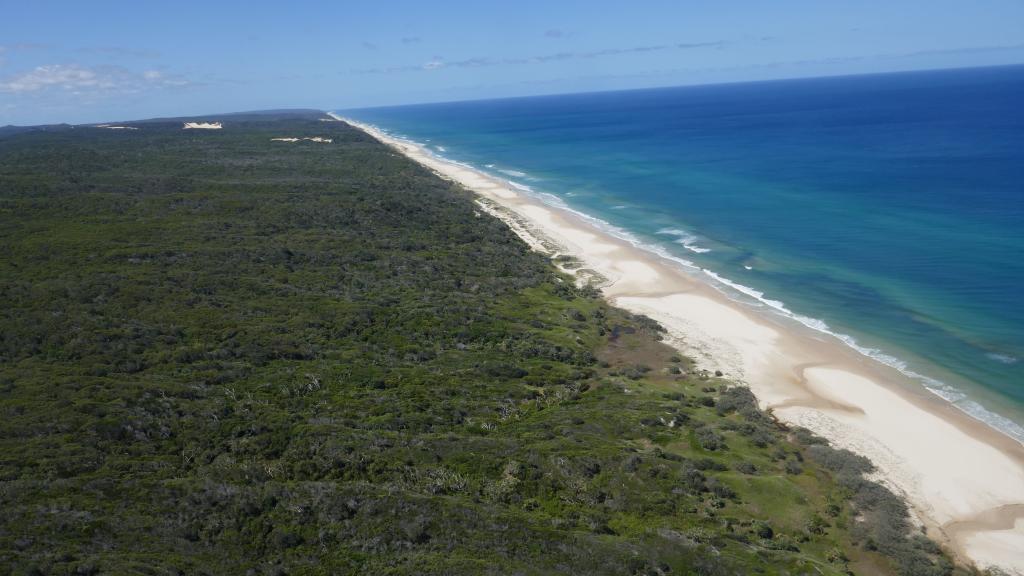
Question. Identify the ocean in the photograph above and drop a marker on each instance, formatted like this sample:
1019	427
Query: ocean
883	210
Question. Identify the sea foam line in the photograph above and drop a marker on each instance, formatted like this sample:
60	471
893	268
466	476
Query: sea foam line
513	173
685	239
1003	358
941	389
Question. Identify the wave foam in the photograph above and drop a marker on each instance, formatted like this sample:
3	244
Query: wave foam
1003	358
513	173
684	239
518	186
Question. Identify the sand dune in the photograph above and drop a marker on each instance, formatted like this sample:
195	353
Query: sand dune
202	126
311	139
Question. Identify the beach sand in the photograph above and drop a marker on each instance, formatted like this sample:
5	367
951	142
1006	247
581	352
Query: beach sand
963	479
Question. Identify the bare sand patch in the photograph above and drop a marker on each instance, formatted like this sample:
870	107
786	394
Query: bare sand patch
202	126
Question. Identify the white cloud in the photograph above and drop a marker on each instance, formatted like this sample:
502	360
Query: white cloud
68	77
77	79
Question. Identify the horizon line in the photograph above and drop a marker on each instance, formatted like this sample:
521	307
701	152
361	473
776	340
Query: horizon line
693	85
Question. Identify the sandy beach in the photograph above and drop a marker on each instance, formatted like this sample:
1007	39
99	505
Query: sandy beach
964	480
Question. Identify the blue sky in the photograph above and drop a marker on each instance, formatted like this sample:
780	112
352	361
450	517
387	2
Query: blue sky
101	60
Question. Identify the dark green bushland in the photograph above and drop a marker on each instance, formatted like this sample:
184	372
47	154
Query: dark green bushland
225	355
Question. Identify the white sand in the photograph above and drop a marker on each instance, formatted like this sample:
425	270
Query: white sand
991	548
964	480
953	490
720	336
313	139
202	126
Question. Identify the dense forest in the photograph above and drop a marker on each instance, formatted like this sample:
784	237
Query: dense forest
223	354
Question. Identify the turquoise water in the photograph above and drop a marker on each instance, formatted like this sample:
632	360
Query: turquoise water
886	209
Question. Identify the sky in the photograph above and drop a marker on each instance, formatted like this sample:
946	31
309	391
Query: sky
106	60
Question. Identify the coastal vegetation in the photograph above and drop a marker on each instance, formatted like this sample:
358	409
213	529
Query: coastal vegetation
222	354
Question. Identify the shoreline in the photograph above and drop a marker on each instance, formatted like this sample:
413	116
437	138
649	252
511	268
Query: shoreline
963	479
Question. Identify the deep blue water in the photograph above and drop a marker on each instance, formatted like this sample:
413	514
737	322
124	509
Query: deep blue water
890	207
